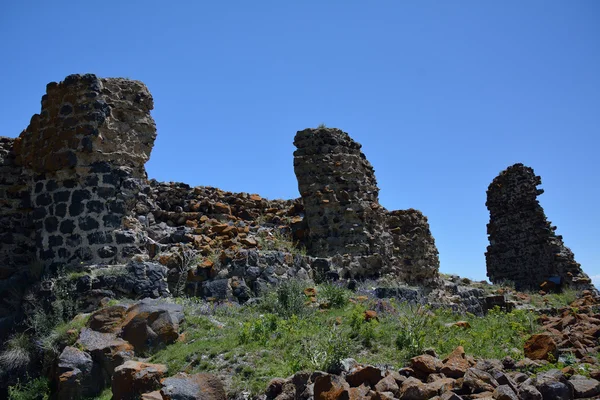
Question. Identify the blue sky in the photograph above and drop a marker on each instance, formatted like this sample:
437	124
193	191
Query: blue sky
442	95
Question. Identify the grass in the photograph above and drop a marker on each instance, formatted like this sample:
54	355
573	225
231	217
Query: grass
287	332
278	240
18	352
35	389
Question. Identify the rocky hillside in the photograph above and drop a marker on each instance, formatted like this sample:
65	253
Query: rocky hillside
116	286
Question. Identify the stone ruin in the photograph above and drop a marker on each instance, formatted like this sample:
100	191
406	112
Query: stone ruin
344	219
68	181
74	191
524	248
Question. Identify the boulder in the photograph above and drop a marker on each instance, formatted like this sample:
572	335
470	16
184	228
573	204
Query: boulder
414	389
479	381
329	387
456	364
274	387
388	384
425	364
368	376
106	349
193	387
529	392
541	347
585	388
77	375
108	319
552	384
133	378
505	392
150	325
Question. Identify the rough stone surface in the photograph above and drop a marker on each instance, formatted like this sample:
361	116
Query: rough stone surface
344	218
75	170
541	347
193	387
150	325
77	375
133	378
524	247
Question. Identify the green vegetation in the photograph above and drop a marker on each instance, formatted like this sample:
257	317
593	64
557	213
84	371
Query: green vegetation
291	329
35	389
17	352
279	240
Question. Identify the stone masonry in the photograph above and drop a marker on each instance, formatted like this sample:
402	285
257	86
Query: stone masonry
340	194
16	229
344	218
82	160
73	190
524	247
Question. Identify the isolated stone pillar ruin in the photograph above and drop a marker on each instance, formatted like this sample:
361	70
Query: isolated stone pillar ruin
524	248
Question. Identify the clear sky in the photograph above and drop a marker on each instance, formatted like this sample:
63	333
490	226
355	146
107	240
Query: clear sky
442	95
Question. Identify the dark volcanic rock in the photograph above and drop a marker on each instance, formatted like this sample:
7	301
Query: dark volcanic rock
524	247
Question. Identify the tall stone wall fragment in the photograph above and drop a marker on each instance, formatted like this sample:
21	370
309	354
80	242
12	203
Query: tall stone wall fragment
524	247
345	220
340	194
80	163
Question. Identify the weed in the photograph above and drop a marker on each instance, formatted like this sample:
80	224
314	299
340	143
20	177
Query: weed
18	352
188	259
335	295
415	323
36	389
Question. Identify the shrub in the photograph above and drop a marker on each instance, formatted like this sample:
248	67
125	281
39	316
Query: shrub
336	295
18	352
258	330
36	389
286	299
325	353
187	260
415	323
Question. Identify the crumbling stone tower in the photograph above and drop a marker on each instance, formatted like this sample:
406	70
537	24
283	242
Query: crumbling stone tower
344	217
340	194
72	176
523	246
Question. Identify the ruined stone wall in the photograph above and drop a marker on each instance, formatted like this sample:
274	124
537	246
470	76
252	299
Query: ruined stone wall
82	159
16	229
414	247
344	219
340	194
523	246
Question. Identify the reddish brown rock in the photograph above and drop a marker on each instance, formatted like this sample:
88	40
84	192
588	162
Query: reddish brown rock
414	389
108	319
330	387
541	347
456	364
133	378
425	364
368	376
151	324
369	315
388	384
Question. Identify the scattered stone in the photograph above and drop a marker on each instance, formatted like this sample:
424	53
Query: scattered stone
150	325
541	347
133	378
192	387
